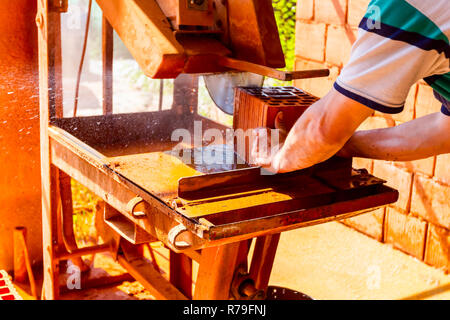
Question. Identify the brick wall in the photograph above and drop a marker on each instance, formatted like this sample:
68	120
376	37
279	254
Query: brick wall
419	223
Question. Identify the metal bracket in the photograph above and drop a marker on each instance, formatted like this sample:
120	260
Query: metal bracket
131	206
174	233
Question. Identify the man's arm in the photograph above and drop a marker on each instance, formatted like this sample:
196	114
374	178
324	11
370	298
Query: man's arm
318	135
413	140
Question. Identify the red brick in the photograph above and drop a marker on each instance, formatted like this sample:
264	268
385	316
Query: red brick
339	44
318	86
356	11
330	11
370	223
431	201
397	179
310	40
406	233
425	166
437	252
442	172
305	9
426	103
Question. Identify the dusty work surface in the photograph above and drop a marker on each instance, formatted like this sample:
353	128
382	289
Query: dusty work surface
159	172
328	261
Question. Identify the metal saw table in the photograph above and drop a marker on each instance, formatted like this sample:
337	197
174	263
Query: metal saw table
130	169
150	195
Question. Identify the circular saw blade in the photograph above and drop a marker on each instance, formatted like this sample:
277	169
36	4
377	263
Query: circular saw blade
221	87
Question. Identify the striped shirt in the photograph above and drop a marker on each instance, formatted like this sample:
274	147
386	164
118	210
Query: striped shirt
399	43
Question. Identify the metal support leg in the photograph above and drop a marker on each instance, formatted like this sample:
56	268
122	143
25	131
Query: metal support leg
262	260
50	288
217	268
181	273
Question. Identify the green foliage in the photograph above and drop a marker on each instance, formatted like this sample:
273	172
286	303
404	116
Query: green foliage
285	13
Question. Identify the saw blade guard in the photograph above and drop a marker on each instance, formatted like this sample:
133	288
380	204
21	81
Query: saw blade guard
221	87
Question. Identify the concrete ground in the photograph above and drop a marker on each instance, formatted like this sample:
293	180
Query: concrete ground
331	261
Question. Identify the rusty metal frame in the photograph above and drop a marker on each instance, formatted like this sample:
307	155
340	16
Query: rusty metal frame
64	154
58	236
47	60
88	167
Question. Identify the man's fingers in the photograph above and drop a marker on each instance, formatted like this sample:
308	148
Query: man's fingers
266	143
262	162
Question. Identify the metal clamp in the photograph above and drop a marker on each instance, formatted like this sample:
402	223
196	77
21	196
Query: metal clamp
131	206
174	233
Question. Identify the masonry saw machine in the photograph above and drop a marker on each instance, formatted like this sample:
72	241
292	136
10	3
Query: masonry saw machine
232	43
210	213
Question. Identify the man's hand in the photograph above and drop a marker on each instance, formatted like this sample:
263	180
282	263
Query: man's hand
267	144
316	136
